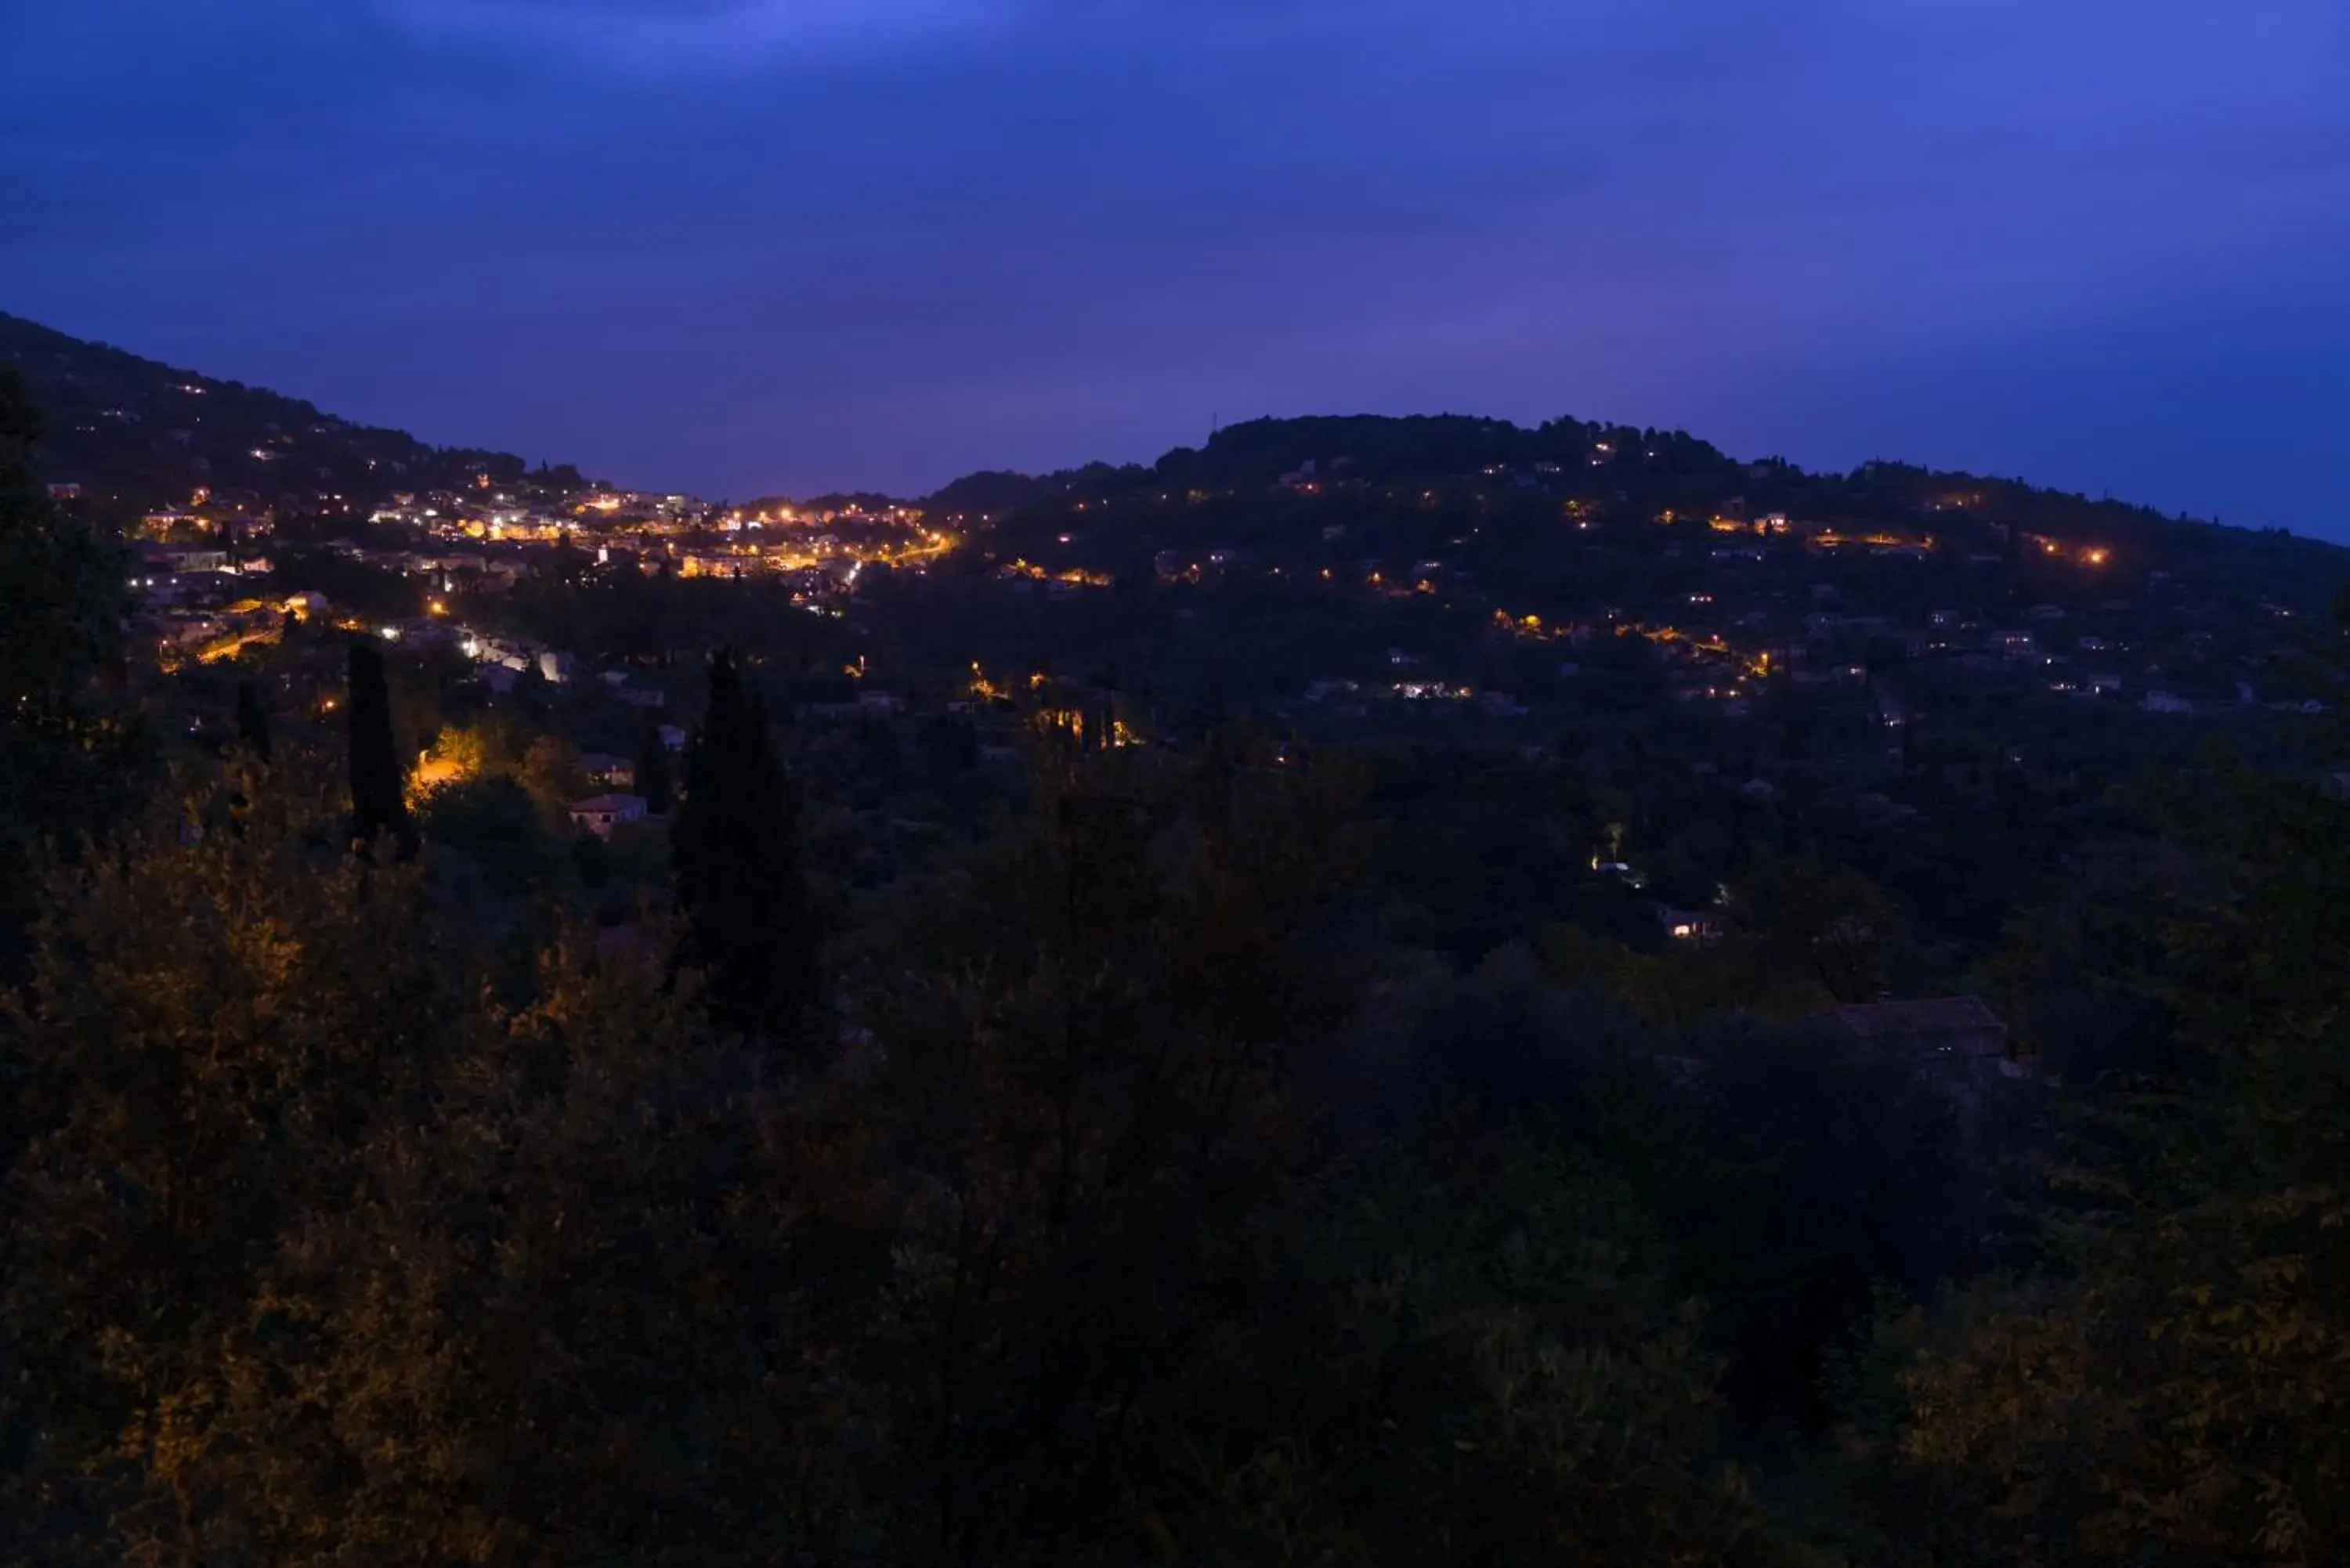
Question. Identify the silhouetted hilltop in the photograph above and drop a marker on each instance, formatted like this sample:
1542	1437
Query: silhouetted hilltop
136	432
1622	474
149	434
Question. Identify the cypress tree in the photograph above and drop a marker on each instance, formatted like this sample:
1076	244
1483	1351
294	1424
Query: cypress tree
66	764
252	721
741	883
378	802
66	594
652	774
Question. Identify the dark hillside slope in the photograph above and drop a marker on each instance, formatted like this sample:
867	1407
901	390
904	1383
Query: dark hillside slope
146	434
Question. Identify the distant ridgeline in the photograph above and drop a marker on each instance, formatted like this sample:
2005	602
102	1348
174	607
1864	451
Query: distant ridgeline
1631	472
139	435
144	434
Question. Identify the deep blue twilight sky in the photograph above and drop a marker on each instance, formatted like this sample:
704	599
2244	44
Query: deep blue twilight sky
749	245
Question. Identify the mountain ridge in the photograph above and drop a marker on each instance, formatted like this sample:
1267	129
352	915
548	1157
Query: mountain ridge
146	433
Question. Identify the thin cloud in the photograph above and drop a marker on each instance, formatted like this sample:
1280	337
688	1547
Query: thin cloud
671	38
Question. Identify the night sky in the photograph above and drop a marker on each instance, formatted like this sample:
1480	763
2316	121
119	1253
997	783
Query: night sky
746	246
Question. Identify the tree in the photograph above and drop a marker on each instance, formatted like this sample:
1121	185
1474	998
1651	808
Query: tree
211	1012
740	881
252	719
317	1255
64	582
1834	929
567	564
1083	1070
491	821
551	771
2171	1388
1477	1358
63	750
378	802
652	774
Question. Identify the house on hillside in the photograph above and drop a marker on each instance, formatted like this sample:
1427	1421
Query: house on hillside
1956	1036
602	812
1694	928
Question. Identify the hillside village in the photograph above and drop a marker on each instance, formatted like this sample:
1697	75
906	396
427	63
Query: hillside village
1520	594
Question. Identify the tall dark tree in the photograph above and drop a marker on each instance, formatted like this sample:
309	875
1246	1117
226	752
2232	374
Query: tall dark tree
740	880
568	564
63	762
252	719
652	774
377	796
64	581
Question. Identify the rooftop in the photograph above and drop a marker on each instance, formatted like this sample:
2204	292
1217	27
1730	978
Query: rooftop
609	803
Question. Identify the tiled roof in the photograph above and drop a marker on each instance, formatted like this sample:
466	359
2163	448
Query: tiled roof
609	803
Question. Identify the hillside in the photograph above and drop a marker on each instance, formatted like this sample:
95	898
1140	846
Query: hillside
1312	547
1297	554
1627	473
144	434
